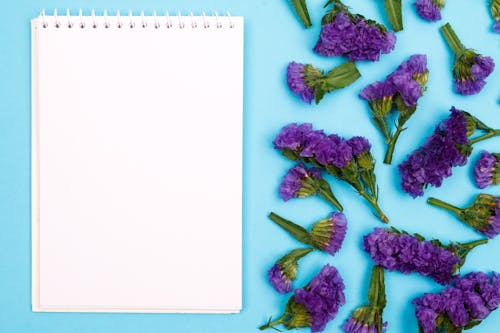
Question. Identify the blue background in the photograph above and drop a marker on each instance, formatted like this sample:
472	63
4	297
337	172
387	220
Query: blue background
273	38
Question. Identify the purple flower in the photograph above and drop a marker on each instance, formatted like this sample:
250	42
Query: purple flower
278	280
296	82
496	26
328	234
377	91
433	162
429	10
409	89
470	70
322	297
359	145
354	326
405	253
471	299
483	214
292	136
485	169
355	37
299	182
284	271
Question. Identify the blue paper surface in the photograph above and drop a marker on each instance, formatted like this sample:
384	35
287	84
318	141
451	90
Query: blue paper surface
273	38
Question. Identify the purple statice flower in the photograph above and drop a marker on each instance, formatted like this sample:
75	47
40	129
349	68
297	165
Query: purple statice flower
368	318
405	253
483	214
296	82
496	26
470	69
355	37
468	301
433	162
410	78
322	297
299	182
279	280
429	10
283	272
359	145
486	170
293	136
328	234
333	150
377	91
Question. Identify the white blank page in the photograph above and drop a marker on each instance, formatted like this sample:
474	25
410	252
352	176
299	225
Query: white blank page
137	165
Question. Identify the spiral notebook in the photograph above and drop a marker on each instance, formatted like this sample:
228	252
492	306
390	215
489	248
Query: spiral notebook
137	162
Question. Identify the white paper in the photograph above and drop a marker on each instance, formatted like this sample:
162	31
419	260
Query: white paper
137	165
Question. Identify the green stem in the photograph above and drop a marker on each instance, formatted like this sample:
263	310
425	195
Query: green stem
271	324
392	144
452	39
295	230
300	8
444	205
375	205
376	293
325	191
486	136
394	14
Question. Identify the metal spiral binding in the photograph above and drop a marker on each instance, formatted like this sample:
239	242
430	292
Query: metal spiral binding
135	21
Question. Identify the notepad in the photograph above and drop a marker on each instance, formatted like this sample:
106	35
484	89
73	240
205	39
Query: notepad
137	163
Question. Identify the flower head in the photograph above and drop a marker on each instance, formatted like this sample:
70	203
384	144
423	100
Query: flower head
496	26
429	10
299	182
295	78
495	12
283	272
293	136
368	318
467	302
433	162
359	145
322	297
487	170
379	95
328	234
405	253
353	35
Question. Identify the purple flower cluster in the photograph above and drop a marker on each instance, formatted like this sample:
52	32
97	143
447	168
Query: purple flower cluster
355	37
493	227
403	81
470	71
354	326
328	234
495	12
296	182
279	280
327	149
322	297
405	253
429	10
470	300
486	170
434	161
296	82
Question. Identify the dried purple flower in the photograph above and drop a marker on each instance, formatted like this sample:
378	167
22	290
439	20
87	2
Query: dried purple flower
314	305
429	10
348	160
483	214
299	182
311	83
284	271
449	146
326	235
351	34
394	250
295	78
470	68
368	318
460	306
401	89
496	26
487	170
